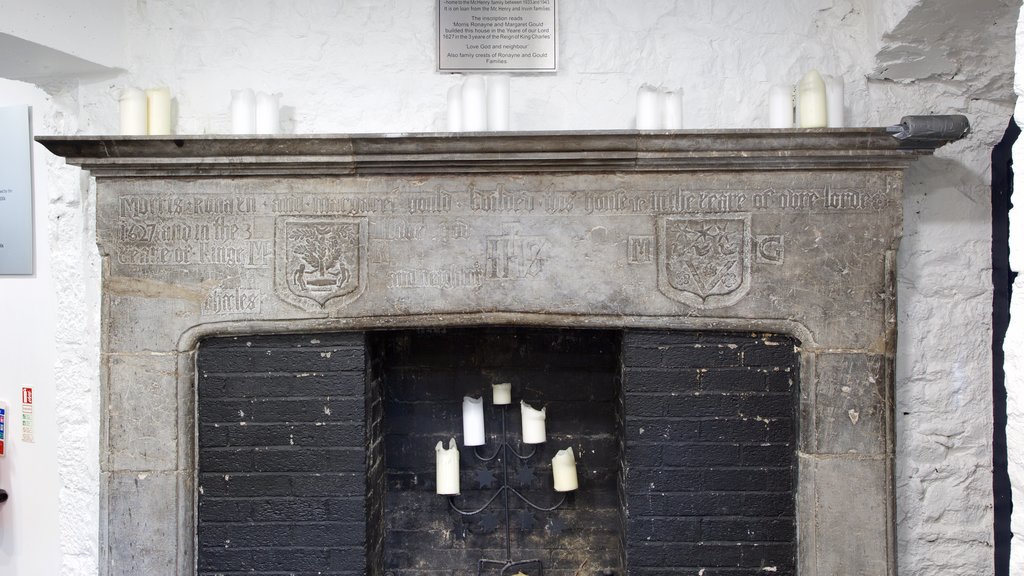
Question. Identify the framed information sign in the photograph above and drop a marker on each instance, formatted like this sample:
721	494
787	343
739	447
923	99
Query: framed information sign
497	35
15	191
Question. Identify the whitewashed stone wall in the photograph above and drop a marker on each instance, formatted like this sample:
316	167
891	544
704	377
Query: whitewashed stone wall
1014	344
367	66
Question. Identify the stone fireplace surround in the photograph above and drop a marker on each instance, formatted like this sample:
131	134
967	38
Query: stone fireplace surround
784	232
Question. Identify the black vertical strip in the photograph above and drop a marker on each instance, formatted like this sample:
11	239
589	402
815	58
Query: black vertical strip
1002	284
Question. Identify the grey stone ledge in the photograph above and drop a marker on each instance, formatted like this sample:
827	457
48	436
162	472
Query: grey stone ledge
452	153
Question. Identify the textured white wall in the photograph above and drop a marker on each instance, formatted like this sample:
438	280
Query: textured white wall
1014	344
367	66
90	30
40	315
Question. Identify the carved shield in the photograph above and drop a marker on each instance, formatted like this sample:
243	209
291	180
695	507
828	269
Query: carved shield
704	262
320	260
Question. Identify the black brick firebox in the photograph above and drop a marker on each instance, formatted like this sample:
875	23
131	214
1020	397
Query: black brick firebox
316	451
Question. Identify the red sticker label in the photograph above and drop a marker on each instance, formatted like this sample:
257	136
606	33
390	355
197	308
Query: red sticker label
26	395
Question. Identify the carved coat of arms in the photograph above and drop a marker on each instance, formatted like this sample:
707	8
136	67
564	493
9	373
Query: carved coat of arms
704	262
320	260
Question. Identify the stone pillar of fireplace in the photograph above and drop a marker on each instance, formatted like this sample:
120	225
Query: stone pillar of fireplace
786	232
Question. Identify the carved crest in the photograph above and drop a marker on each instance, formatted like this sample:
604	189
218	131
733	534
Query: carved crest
320	260
704	262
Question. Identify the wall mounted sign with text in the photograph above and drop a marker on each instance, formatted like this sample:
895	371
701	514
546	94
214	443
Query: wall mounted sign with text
15	191
497	35
28	426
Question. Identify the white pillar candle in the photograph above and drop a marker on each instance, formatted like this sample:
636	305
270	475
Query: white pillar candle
534	429
133	112
672	112
811	93
243	112
835	101
780	106
648	108
455	108
563	467
497	102
268	113
474	104
158	105
502	394
472	421
447	468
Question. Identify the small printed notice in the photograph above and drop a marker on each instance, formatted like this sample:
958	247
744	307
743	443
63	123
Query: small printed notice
497	35
3	429
15	191
28	428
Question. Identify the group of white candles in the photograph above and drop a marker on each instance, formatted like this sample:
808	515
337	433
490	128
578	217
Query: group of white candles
563	465
145	112
478	104
255	112
659	109
816	102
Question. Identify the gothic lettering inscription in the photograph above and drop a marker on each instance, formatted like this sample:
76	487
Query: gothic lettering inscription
317	245
769	249
227	301
447	278
511	255
217	230
641	249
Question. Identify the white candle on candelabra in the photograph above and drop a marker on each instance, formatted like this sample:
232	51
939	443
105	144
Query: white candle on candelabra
474	104
811	95
672	114
454	120
648	108
243	112
472	421
780	106
563	467
497	102
502	394
534	429
268	113
133	112
158	105
447	468
835	101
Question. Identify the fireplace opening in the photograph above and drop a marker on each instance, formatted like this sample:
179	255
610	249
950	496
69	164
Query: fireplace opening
317	452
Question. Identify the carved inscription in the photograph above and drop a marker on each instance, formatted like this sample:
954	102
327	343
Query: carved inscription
191	230
641	249
226	301
513	256
452	276
769	249
464	233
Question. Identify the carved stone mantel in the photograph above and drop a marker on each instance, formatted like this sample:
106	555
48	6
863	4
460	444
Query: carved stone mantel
784	231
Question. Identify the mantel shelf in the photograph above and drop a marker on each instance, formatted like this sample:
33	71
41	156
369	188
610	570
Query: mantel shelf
490	152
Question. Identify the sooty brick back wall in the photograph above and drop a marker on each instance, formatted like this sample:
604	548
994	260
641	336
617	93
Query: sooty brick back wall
574	374
710	450
282	456
687	467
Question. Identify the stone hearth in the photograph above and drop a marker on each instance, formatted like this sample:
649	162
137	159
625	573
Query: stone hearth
791	233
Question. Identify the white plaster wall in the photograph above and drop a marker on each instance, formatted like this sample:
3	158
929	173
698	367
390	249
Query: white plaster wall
1014	344
368	66
90	30
31	312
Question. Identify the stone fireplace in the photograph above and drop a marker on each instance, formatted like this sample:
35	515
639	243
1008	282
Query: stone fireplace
725	299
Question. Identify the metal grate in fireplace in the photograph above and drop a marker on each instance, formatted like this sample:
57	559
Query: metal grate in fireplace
316	451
